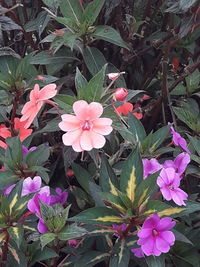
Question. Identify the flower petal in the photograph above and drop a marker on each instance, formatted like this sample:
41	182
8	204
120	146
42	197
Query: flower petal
165	224
102	126
70	137
48	91
162	245
86	141
69	123
94	110
80	109
144	233
168	236
34	94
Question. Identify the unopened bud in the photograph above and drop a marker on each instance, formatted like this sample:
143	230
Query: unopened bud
120	94
70	173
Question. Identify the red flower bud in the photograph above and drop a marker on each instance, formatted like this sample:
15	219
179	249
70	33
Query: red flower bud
120	94
70	173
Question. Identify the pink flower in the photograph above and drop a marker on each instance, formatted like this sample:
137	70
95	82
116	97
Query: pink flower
20	127
150	166
179	164
37	99
120	94
31	185
155	237
85	130
178	140
169	182
137	252
114	75
5	133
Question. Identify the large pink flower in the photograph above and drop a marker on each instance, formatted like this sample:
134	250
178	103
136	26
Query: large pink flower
155	237
37	99
85	130
169	182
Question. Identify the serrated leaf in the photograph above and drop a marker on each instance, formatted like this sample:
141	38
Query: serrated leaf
109	34
71	9
71	232
98	215
80	80
132	174
47	238
107	178
93	90
92	11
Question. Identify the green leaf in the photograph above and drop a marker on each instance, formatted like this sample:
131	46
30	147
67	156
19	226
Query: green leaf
38	156
69	39
180	237
94	59
113	201
192	81
67	22
71	232
95	192
136	128
145	188
132	175
195	143
83	176
120	254
66	99
16	234
92	11
107	178
71	9
98	215
109	34
153	261
41	255
47	238
93	90
15	149
7	178
94	230
80	80
91	259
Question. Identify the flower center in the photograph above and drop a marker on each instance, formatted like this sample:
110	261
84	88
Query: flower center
154	232
171	187
86	126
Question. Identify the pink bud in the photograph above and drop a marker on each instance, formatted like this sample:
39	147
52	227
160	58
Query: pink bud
70	173
40	78
73	242
114	75
59	32
120	94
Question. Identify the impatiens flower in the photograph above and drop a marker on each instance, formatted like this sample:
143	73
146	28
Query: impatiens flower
155	237
25	150
31	185
114	75
20	127
150	166
5	133
120	94
86	129
137	252
178	140
125	108
179	164
61	197
169	182
8	190
139	116
119	229
37	99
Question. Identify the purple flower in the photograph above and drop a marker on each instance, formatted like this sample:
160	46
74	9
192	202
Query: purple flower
178	140
61	197
73	242
25	150
169	182
119	229
150	166
179	164
31	185
137	252
8	190
155	237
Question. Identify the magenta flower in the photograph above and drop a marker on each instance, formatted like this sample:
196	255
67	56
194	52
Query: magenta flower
150	166
155	237
25	150
31	185
169	182
178	140
137	252
119	229
8	190
179	164
61	197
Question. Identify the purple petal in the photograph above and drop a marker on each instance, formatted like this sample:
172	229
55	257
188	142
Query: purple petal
166	192
148	246
162	245
137	252
165	224
179	196
31	185
8	190
42	228
181	162
151	222
144	233
168	236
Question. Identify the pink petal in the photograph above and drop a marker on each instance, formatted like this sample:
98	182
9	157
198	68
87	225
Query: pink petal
95	110
76	146
69	123
168	236
48	91
137	252
34	94
162	245
181	162
167	193
80	109
42	228
86	141
98	140
170	172
71	137
148	246
102	126
151	222
165	224
27	107
178	196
